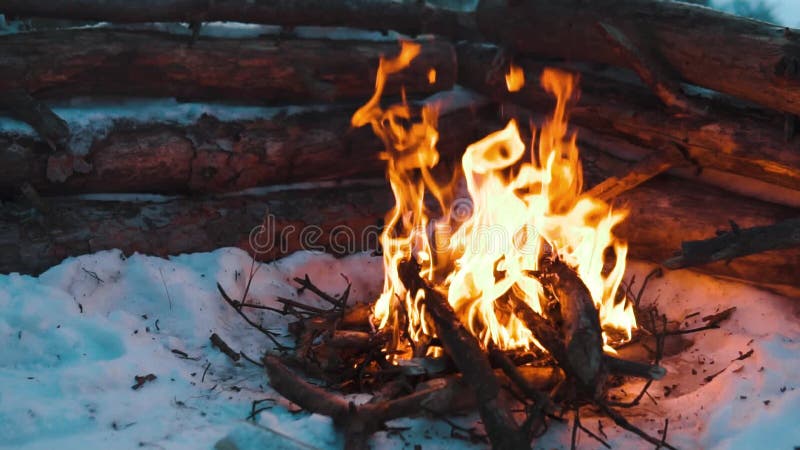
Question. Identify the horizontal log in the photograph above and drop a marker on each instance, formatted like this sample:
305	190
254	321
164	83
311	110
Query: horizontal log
743	141
746	58
214	156
32	241
98	62
406	16
663	213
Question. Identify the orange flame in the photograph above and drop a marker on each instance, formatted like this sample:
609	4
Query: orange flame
521	211
515	78
432	76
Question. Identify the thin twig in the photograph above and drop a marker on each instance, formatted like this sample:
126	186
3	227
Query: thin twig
305	283
169	298
247	358
622	422
269	334
593	435
575	422
664	435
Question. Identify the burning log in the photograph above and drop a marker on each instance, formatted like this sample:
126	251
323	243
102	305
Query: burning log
339	221
409	17
463	348
581	329
743	141
736	243
214	156
759	60
66	63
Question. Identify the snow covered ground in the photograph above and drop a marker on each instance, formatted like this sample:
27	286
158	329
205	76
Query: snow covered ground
74	339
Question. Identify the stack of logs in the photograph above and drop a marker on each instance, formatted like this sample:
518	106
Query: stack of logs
686	116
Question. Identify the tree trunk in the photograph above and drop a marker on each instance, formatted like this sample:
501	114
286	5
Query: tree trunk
406	16
743	141
746	58
215	156
67	63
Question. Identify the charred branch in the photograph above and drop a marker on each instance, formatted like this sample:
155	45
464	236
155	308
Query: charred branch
359	422
736	243
665	212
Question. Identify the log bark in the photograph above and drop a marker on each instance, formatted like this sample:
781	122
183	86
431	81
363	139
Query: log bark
733	139
31	241
68	63
406	16
746	58
214	156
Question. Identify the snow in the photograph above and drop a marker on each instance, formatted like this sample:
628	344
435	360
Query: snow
75	337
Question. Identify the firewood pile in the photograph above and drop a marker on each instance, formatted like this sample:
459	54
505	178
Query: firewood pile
686	118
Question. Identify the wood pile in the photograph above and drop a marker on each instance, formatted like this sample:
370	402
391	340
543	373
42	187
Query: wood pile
687	117
651	101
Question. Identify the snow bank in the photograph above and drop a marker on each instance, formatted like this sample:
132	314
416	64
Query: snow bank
75	338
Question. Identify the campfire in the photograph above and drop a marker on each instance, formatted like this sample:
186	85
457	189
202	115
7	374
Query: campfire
526	279
475	217
523	212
